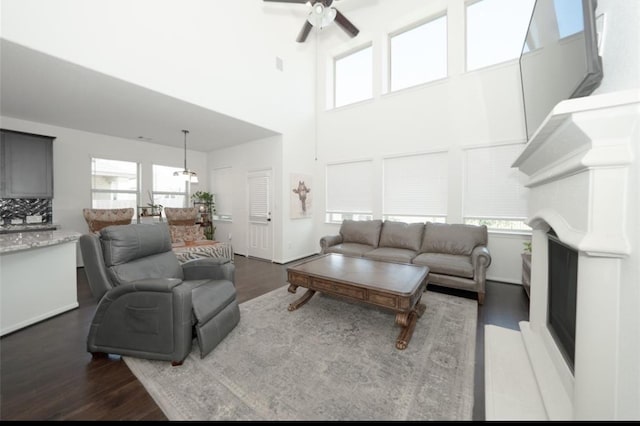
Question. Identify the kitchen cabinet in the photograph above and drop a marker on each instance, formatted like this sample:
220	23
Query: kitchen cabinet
27	165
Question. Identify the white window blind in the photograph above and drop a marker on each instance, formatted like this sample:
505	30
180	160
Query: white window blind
493	189
223	190
416	185
259	198
349	187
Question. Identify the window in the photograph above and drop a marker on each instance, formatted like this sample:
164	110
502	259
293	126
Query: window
353	77
168	190
569	17
114	184
415	188
496	30
349	191
222	187
494	192
418	55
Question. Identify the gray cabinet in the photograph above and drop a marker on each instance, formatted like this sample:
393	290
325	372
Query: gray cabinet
27	165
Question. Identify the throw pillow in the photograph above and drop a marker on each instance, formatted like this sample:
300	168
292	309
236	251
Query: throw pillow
182	233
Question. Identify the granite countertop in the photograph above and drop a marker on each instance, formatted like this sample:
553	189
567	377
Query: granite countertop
4	229
28	240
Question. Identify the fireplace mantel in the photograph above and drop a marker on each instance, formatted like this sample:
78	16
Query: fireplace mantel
583	175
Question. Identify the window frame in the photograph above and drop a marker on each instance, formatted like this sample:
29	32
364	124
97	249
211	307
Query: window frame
469	3
136	191
154	192
343	55
410	27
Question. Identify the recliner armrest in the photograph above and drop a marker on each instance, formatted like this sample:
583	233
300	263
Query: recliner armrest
217	268
328	241
160	285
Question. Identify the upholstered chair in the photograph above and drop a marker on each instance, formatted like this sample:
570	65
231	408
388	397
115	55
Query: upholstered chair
100	218
149	305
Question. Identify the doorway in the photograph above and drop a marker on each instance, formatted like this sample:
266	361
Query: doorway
260	235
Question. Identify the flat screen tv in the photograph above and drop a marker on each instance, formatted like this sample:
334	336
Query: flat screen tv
559	58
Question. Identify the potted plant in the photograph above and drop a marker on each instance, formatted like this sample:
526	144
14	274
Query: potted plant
203	197
207	210
156	209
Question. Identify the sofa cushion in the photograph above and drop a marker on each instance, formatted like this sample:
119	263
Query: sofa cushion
361	231
350	249
450	264
390	254
401	235
452	238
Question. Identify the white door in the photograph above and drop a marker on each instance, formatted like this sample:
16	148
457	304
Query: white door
260	234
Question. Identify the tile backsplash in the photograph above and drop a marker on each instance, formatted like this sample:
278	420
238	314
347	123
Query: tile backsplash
20	208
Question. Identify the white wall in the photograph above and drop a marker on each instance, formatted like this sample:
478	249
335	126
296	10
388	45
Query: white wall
258	155
620	45
221	55
72	152
478	108
218	54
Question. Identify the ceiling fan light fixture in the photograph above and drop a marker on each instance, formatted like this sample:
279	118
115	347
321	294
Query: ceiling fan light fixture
186	174
321	16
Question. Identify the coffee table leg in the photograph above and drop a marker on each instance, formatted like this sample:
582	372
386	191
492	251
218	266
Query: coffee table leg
408	322
292	288
304	299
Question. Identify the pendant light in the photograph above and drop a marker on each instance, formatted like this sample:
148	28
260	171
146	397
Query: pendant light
186	174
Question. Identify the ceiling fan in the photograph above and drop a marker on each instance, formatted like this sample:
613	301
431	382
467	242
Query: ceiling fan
321	15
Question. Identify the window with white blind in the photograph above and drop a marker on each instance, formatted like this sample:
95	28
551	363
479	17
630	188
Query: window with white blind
349	191
418	54
415	188
222	188
259	198
494	193
353	77
114	184
168	190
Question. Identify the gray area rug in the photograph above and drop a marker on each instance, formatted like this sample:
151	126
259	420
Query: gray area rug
329	360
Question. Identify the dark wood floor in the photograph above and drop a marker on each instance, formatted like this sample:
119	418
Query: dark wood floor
46	373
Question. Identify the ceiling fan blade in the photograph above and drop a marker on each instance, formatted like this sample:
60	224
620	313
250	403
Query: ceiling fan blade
304	32
345	24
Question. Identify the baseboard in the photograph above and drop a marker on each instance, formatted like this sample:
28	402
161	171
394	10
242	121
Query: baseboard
504	280
294	259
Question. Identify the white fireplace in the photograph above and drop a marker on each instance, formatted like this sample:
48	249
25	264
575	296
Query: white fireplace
584	183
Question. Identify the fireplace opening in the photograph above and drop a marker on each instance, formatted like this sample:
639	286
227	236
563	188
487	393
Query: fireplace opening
563	286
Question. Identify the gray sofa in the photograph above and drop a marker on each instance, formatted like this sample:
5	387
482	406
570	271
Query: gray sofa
456	254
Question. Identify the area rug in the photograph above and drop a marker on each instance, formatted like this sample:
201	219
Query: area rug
329	360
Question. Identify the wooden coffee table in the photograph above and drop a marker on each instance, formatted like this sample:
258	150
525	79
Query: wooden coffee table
395	286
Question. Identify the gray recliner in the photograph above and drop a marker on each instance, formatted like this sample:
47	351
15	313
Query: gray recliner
150	306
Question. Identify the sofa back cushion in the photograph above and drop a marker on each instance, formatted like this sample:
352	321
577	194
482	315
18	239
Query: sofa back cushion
401	235
361	231
453	238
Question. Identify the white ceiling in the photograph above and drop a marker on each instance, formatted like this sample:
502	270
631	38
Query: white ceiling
41	88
